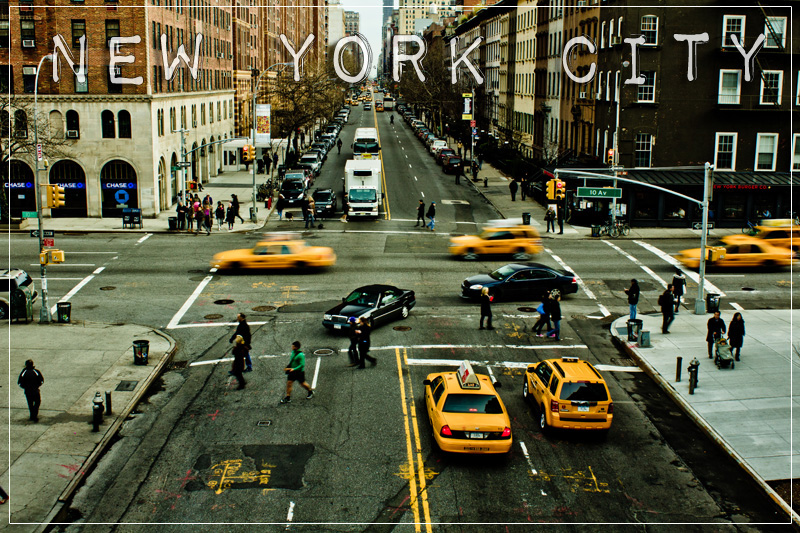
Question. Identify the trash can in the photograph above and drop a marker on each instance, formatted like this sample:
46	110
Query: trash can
173	223
595	231
63	312
634	327
526	219
253	214
141	350
712	302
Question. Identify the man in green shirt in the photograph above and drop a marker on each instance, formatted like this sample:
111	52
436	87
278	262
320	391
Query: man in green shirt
296	371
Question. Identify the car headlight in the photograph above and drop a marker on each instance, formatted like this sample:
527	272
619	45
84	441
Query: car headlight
327	317
476	287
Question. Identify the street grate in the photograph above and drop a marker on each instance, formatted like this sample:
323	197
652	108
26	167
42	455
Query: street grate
262	308
109	288
126	386
223	302
402	328
214	316
264	423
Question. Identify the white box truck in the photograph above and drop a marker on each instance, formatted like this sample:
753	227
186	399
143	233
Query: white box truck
365	144
363	187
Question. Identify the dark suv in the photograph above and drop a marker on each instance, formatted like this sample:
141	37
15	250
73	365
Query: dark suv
292	192
325	202
11	281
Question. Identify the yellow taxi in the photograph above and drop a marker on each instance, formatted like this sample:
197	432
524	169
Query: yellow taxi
744	252
782	236
520	241
277	252
466	413
568	393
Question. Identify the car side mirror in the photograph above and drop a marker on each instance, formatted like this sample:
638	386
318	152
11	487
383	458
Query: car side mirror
531	368
344	299
426	382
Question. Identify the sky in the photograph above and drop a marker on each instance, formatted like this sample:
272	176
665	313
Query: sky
371	22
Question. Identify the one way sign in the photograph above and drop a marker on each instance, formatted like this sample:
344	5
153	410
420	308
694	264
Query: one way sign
45	233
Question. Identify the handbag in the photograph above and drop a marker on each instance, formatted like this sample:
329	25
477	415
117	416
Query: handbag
540	309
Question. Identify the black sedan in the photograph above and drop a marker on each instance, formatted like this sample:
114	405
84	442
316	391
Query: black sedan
520	281
380	303
325	202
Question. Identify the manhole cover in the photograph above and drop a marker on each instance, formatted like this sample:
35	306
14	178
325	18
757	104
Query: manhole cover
109	288
748	289
262	308
402	328
178	364
526	309
324	352
214	316
195	271
223	302
196	278
264	423
126	385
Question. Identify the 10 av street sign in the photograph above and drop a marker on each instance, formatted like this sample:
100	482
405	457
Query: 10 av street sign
599	192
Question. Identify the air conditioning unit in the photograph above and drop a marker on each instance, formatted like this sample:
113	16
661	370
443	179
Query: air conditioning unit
72	134
29	71
220	56
582	95
28	43
599	95
581	3
616	40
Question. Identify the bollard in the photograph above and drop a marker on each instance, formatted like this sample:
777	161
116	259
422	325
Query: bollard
485	182
678	370
97	412
694	367
108	403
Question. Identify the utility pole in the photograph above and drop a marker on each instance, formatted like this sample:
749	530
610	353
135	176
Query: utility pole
708	185
44	312
183	164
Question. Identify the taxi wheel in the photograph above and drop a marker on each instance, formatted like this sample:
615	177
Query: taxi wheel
525	391
470	255
300	265
522	255
235	266
404	311
543	419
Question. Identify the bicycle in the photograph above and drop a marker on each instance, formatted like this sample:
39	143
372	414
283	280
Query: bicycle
609	229
749	228
623	228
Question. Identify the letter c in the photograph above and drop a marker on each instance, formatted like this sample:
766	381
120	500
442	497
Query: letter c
572	43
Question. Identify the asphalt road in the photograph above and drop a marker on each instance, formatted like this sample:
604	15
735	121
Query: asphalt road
358	457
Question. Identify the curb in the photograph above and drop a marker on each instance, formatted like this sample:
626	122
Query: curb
58	514
703	425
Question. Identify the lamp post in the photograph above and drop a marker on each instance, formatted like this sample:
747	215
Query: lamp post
44	312
253	217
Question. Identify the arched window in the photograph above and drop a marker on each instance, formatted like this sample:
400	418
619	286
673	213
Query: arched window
124	119
73	124
4	124
56	125
20	124
107	120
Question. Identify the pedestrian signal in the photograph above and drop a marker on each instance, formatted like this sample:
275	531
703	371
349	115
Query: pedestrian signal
551	187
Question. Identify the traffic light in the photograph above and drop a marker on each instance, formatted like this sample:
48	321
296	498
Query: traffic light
51	256
561	189
551	188
246	152
58	196
610	157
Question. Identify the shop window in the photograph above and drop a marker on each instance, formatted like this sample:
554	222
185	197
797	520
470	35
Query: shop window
734	205
645	205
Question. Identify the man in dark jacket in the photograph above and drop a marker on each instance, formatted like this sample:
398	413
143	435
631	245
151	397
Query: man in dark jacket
363	330
243	330
716	327
633	297
352	350
30	380
513	187
554	311
666	302
420	214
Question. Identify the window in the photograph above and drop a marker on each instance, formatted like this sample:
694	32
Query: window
78	31
194	116
4	124
732	25
81	87
644	148
796	152
618	87
771	87
112	29
797	95
20	124
27	30
73	122
107	122
603	35
29	79
650	29
608	86
646	92
4	29
729	86
775	30
172	120
766	148
183	117
114	87
725	153
124	118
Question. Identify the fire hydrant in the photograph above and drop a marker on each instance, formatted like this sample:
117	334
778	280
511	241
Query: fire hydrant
269	202
97	412
485	182
694	370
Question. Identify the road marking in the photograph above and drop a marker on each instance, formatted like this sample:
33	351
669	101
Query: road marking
140	241
228	359
491	374
409	165
412	480
614	368
709	287
457	362
73	292
422	193
638	263
477	346
423	491
737	306
51	265
71	252
98	270
581	284
56	279
528	458
406	156
188	303
316	374
415	178
290	515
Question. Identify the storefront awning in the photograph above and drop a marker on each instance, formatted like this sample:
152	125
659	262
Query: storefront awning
695	177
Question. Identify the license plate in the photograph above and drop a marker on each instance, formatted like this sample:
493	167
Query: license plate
583	409
337	326
474	435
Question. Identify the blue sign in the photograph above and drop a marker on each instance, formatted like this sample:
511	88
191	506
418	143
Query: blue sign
19	185
71	185
122	196
119	185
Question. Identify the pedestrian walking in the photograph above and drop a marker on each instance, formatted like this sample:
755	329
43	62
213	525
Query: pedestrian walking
312	212
230	216
304	209
236	206
716	327
30	379
243	331
666	302
267	162
352	350
523	188
544	316
513	187
239	353
420	214
296	371
181	215
633	297
363	330
279	206
475	170
431	214
339	146
560	216
736	333
550	219
555	315
480	161
486	308
207	218
219	214
460	146
207	200
678	284
3	496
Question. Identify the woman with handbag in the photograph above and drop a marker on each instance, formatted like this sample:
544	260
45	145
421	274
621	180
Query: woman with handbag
239	353
544	316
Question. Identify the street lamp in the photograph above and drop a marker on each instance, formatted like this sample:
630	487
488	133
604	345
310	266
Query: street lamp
44	312
253	217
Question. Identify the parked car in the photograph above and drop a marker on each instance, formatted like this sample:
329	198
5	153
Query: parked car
11	281
332	129
325	201
453	164
311	160
319	151
293	189
320	145
437	145
520	281
444	154
379	303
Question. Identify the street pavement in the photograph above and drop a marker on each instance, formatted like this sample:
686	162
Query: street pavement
747	410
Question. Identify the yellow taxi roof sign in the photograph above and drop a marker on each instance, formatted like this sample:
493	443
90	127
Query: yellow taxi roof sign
466	376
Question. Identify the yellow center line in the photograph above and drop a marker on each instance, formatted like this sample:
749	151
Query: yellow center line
420	464
386	211
412	482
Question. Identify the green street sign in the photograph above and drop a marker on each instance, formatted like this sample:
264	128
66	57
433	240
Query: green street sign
599	192
29	214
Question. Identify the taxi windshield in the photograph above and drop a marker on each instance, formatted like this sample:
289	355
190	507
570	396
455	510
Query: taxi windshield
472	403
502	273
584	392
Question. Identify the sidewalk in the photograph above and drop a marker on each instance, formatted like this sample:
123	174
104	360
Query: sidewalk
51	457
746	410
